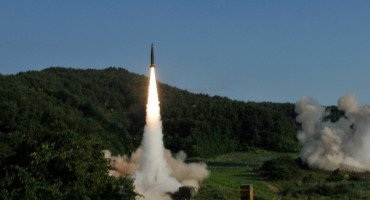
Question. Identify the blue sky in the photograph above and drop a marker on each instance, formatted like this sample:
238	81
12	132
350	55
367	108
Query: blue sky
253	50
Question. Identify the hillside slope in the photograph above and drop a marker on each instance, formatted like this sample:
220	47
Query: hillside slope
109	105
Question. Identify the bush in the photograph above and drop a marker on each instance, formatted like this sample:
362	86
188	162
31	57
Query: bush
356	177
308	179
329	190
282	168
335	176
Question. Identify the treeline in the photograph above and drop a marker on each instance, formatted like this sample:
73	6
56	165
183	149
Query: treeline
207	126
109	105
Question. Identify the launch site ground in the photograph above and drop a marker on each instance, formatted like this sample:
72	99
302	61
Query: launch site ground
231	170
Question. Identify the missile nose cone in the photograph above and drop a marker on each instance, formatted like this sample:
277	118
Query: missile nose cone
152	57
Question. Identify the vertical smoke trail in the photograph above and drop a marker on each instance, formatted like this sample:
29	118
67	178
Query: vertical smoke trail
153	177
157	174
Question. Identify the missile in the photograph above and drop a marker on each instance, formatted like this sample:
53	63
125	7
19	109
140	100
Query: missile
152	57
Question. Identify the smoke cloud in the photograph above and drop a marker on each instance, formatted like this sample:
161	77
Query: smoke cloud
344	144
186	174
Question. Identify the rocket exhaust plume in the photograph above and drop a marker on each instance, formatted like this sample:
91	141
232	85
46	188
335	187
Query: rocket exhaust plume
155	171
344	144
153	178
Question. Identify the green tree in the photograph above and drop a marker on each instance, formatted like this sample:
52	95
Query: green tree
335	176
70	167
282	168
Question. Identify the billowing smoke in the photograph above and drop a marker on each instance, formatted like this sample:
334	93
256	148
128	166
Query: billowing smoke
344	144
155	172
187	174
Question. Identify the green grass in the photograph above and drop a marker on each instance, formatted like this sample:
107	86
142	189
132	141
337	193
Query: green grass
224	183
229	171
256	157
242	159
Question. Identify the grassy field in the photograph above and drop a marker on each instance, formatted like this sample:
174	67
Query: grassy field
245	159
231	170
224	184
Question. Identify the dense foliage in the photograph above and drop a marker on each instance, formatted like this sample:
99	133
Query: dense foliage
110	104
62	166
335	176
282	168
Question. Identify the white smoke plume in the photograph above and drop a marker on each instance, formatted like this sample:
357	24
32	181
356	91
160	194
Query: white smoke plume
344	144
155	172
187	174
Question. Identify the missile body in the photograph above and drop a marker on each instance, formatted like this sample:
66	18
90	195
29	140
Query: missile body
152	57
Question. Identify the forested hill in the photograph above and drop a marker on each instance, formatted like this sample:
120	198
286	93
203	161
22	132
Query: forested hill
109	106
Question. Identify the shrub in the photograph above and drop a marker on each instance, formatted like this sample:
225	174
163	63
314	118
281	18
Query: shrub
282	168
335	176
308	179
356	177
329	190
